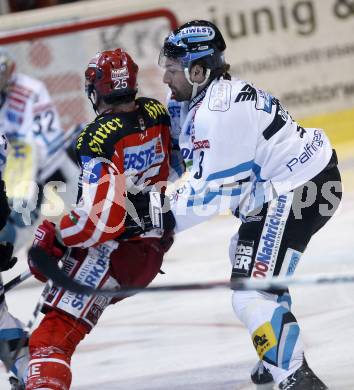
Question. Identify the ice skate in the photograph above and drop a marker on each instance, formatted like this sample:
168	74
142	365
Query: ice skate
262	377
302	379
15	384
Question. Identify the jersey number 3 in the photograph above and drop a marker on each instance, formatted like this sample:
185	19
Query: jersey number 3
199	174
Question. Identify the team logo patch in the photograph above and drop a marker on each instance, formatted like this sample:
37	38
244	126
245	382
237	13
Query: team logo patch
205	32
309	150
73	218
96	309
51	295
91	169
243	259
291	260
270	240
120	73
91	272
220	97
144	156
247	93
202	144
187	155
254	218
263	99
264	339
69	264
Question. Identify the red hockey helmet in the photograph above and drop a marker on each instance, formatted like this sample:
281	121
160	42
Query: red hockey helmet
113	74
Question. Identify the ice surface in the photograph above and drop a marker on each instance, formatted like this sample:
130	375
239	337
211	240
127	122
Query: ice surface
192	340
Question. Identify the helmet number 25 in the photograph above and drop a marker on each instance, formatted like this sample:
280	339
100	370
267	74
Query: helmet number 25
120	84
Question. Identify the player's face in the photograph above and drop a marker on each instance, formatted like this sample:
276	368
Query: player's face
5	72
174	77
7	66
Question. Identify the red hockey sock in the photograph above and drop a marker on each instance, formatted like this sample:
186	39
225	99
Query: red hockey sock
51	347
49	373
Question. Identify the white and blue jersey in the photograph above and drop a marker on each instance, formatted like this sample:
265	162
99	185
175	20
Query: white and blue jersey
27	114
244	149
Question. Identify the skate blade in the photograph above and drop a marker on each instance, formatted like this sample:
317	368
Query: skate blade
267	386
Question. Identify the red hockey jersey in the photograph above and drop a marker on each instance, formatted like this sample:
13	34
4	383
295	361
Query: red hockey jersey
120	155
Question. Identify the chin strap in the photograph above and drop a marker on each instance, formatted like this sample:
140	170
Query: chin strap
94	106
194	84
89	92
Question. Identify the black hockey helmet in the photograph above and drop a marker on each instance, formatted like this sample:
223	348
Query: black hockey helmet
198	39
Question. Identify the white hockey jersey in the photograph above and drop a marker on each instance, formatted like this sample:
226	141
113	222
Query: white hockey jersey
27	114
243	149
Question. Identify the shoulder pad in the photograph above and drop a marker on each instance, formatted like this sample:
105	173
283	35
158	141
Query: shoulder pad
93	138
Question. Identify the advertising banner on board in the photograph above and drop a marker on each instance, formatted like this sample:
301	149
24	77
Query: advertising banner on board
301	51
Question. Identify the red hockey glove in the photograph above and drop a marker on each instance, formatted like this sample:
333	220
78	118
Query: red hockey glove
45	238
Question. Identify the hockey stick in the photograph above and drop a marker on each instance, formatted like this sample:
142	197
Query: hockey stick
66	141
39	306
60	279
68	138
17	280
